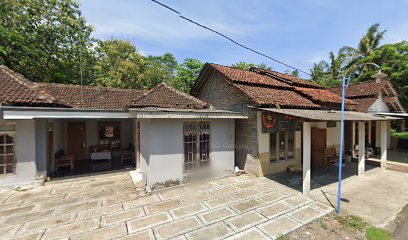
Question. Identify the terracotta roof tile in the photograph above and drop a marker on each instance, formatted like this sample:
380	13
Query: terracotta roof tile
363	104
362	89
321	95
163	96
91	97
277	97
18	90
289	79
242	76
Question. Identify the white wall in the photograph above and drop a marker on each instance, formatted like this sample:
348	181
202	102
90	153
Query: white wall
162	149
26	168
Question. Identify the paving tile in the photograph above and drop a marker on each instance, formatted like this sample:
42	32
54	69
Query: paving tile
223	191
216	231
143	235
245	221
176	228
275	209
306	214
250	234
280	225
225	181
144	200
272	197
188	210
105	233
245	194
148	222
298	200
14	204
9	230
119	198
70	229
27	217
246	185
246	205
57	203
16	210
197	197
101	184
219	202
29	236
163	206
216	215
322	207
99	211
172	192
200	186
78	207
123	216
48	222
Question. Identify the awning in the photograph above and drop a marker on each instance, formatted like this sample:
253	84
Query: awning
329	115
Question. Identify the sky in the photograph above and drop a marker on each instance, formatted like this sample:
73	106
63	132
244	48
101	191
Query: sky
297	32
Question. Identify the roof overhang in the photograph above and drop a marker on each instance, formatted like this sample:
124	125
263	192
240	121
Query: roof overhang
16	113
329	115
398	115
184	113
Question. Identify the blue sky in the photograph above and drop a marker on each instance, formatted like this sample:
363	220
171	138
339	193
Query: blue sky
299	32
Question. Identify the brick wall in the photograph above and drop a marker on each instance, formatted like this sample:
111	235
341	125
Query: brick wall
220	94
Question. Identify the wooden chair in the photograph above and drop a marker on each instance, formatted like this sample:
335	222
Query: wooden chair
331	156
125	156
65	161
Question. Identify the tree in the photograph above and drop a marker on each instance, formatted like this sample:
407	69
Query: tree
367	45
160	69
119	64
247	66
44	39
187	73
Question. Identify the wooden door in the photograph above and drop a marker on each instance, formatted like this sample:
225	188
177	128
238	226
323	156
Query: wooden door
77	139
319	148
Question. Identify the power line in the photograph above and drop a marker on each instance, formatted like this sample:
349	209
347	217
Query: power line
229	39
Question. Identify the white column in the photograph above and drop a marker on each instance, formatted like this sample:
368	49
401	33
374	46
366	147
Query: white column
361	148
306	156
384	144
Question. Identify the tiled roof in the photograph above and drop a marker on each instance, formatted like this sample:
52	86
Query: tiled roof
289	79
91	97
163	96
321	95
15	89
277	97
242	76
362	89
363	104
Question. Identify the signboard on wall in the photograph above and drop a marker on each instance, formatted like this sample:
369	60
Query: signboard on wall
273	122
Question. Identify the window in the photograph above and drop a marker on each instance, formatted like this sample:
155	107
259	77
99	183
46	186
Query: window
282	146
109	135
196	144
7	148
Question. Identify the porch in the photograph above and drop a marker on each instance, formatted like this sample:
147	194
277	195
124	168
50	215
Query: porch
311	140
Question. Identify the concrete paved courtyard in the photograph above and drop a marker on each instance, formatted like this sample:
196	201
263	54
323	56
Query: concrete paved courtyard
377	196
108	207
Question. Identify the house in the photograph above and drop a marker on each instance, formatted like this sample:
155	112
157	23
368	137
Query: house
52	130
373	97
291	122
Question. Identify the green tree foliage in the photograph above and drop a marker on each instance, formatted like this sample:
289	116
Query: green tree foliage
160	69
187	73
118	64
247	66
367	45
42	39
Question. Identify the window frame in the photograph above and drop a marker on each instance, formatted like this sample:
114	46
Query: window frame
277	152
3	148
197	161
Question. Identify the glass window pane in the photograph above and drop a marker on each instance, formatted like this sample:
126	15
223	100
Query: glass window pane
2	159
291	145
272	151
2	169
9	139
10	149
2	139
9	169
9	159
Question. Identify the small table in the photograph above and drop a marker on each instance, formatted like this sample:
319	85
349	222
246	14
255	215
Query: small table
103	155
